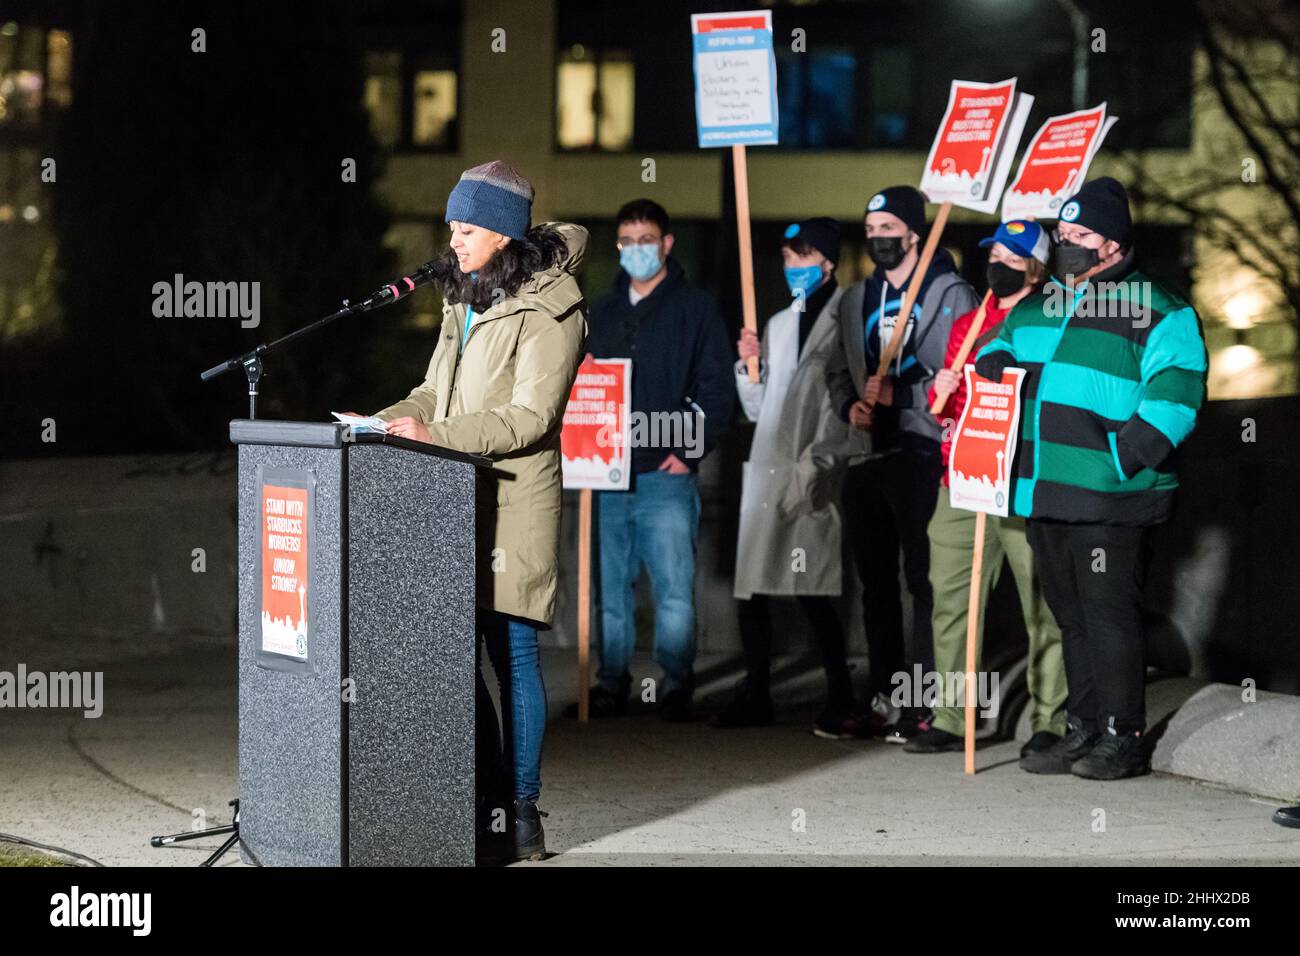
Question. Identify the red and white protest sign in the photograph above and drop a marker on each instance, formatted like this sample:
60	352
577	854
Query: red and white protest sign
971	155
1056	163
979	468
594	437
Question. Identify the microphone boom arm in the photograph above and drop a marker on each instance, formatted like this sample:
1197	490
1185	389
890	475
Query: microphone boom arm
251	361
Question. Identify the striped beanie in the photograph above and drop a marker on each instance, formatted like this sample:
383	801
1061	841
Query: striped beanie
495	196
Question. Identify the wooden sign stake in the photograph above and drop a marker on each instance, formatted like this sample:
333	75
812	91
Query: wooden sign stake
584	603
972	630
740	171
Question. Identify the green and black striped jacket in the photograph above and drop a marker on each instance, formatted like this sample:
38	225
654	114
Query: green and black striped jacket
1115	376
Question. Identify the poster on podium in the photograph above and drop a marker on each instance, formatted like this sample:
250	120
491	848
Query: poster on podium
286	507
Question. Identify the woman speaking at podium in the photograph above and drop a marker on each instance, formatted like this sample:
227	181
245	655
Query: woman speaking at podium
513	328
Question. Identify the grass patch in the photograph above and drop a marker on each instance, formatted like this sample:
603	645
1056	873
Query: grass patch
15	854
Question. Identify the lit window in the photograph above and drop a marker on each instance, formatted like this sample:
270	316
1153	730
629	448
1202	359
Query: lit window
58	67
383	96
594	99
434	108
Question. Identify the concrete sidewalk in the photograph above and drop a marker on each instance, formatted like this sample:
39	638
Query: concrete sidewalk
631	791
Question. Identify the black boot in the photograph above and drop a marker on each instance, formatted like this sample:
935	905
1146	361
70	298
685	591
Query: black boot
1060	757
1040	741
530	839
749	708
1117	756
934	741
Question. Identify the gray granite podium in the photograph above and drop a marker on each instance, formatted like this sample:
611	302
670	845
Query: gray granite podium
356	648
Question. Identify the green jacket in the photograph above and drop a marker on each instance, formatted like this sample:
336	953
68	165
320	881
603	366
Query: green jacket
1116	374
503	396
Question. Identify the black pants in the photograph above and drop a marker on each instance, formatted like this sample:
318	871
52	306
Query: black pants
1092	578
888	503
756	637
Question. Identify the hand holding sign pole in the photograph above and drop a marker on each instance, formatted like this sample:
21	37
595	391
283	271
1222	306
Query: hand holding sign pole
968	343
735	105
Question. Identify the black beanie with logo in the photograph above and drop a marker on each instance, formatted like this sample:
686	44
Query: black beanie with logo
1102	206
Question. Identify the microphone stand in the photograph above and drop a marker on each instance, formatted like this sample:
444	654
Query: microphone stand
251	361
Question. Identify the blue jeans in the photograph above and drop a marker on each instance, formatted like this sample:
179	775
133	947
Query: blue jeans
656	525
512	648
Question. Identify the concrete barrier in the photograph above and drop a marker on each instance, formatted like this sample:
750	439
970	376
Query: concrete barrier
1218	737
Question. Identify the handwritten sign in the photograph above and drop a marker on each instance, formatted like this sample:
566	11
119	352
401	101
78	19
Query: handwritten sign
979	468
735	78
1056	163
594	434
971	155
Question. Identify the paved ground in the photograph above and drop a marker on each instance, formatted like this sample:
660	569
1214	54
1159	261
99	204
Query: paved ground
632	791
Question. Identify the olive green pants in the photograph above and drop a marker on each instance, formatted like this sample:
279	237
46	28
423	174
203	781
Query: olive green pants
952	540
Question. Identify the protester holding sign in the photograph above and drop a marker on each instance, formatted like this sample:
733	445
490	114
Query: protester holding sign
513	323
1116	368
683	397
789	539
889	498
1017	268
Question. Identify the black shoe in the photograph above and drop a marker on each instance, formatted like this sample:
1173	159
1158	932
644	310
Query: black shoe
1287	817
934	741
530	838
841	723
1042	740
874	719
747	709
1117	756
914	722
1060	757
600	703
676	706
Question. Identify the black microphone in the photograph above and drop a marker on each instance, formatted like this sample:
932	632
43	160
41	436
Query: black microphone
432	271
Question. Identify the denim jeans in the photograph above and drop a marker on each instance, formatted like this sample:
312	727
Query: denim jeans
510	762
655	524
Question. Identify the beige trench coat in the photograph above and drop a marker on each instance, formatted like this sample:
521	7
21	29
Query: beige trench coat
790	526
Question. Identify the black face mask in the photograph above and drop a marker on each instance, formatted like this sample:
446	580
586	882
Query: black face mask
1004	280
1070	259
886	251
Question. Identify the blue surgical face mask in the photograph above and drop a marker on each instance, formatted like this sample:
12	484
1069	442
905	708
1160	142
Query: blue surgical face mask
640	261
803	278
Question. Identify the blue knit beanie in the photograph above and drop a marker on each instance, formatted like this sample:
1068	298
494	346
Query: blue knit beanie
495	196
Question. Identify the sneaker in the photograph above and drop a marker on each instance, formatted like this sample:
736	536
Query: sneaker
1059	757
1041	740
913	723
676	706
840	723
876	719
934	741
1117	756
1287	817
530	838
746	709
600	703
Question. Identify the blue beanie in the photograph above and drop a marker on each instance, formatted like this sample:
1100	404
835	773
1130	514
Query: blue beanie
495	196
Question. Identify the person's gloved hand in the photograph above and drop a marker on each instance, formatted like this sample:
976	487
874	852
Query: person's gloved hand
992	365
